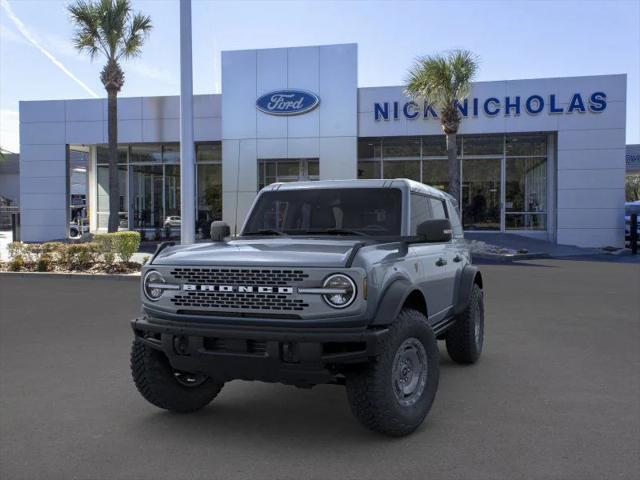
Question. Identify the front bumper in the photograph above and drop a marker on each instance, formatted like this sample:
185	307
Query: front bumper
298	356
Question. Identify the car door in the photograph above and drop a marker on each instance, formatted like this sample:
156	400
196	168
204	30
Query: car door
451	260
430	266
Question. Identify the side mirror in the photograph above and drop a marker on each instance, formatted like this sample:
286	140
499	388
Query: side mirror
219	230
437	230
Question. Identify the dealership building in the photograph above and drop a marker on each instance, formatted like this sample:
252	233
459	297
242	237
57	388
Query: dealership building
541	157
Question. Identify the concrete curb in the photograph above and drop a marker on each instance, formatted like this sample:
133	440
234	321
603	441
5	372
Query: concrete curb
74	276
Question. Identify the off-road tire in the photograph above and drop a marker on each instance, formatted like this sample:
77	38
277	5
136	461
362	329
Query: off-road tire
370	388
462	344
156	382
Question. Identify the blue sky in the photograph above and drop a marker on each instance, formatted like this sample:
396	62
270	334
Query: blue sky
513	40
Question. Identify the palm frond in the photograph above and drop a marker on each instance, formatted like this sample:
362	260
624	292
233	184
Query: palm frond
139	29
442	79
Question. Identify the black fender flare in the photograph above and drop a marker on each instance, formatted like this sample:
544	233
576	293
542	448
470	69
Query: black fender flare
467	278
392	300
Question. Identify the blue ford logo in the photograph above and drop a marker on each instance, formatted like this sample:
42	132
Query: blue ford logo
287	102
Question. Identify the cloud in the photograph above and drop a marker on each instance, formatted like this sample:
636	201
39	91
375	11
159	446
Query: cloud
9	128
22	28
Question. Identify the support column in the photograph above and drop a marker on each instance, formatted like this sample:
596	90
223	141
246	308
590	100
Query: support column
187	148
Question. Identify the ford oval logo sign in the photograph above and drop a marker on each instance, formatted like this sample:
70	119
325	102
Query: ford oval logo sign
287	102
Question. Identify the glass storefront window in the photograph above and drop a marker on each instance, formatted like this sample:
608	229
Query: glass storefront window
369	169
435	146
208	152
525	193
144	153
103	196
481	194
401	147
287	170
102	154
369	148
209	202
526	145
402	169
146	192
482	145
171	153
436	174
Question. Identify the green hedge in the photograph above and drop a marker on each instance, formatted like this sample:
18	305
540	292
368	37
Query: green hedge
102	251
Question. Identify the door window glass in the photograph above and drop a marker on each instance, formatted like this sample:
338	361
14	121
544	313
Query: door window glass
420	211
437	208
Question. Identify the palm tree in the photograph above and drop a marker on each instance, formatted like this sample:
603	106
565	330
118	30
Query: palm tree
444	81
110	28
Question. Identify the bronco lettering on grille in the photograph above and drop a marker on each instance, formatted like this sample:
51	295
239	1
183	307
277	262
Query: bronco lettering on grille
237	288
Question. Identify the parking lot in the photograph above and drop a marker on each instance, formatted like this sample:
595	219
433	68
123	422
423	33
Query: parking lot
555	395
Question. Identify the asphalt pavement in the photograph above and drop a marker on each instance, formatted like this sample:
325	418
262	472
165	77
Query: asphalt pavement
555	395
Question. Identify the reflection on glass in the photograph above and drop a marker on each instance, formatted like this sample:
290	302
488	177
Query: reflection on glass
526	221
369	169
172	191
369	148
209	152
287	170
401	147
148	152
526	144
402	169
483	144
525	192
103	196
436	174
146	191
209	196
481	194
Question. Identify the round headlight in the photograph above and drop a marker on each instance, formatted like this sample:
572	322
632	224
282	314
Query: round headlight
152	285
342	290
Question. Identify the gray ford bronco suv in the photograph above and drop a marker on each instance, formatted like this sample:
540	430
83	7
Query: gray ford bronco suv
343	282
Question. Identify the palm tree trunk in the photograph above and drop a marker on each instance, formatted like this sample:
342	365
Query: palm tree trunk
114	191
454	168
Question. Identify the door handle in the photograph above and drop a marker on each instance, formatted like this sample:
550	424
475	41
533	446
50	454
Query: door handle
457	258
441	262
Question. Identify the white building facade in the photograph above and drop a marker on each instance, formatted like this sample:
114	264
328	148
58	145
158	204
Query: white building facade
540	157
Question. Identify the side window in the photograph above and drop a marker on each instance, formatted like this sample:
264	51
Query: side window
420	211
455	220
437	207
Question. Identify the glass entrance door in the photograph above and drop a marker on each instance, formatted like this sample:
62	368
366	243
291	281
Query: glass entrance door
481	193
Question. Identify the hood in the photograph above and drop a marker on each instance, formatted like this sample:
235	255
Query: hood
289	252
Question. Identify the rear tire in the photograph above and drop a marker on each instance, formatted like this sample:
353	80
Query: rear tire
465	338
165	388
394	394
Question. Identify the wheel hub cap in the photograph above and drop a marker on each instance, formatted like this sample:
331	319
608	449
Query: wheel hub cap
409	371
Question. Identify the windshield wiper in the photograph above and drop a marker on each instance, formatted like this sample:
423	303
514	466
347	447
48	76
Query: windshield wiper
265	231
335	231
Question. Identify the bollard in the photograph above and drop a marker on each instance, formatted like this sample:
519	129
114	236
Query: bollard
15	227
633	233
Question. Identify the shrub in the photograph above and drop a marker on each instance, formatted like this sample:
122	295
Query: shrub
126	244
16	249
44	263
106	247
79	256
16	263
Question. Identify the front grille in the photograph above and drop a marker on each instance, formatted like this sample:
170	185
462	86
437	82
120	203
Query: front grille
239	276
238	301
253	347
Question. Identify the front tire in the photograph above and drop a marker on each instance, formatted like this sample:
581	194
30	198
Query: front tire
465	338
394	394
166	388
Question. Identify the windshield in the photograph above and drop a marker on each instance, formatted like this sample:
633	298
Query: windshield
344	211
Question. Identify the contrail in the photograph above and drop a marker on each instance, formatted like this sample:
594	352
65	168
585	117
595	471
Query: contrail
27	34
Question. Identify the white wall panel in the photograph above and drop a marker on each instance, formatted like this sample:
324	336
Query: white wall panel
590	139
53	153
42	111
160	107
336	158
44	168
588	198
207	129
42	233
591	218
84	132
87	110
239	99
591	237
161	130
598	178
591	159
42	133
207	106
303	148
271	148
36	201
339	90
